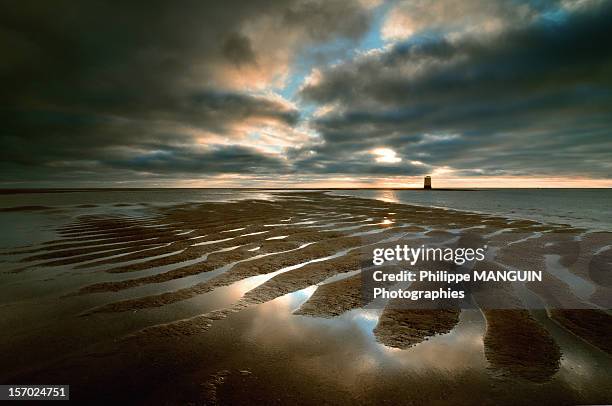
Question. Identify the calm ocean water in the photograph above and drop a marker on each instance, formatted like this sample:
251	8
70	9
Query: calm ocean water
589	208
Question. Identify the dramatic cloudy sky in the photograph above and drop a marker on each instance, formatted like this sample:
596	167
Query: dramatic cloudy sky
306	93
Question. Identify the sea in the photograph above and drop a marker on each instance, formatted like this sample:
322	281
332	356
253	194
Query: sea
584	208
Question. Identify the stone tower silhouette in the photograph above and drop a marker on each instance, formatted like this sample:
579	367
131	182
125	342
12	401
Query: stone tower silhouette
427	184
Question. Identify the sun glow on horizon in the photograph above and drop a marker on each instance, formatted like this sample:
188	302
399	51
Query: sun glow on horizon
390	182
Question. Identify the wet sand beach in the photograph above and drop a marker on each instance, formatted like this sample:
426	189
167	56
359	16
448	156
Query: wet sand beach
260	300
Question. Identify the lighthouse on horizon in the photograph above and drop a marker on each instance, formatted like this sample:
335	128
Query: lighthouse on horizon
427	184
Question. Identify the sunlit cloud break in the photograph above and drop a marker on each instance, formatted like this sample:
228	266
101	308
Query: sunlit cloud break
386	155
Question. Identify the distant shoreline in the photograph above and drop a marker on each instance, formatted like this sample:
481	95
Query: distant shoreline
9	191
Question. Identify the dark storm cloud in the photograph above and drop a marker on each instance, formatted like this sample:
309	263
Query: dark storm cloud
351	162
530	100
84	81
32	135
238	50
163	161
113	52
185	161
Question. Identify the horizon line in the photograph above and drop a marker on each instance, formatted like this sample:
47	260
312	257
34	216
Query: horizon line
55	189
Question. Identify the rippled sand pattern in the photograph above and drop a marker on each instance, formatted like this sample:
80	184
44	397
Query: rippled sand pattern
316	241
